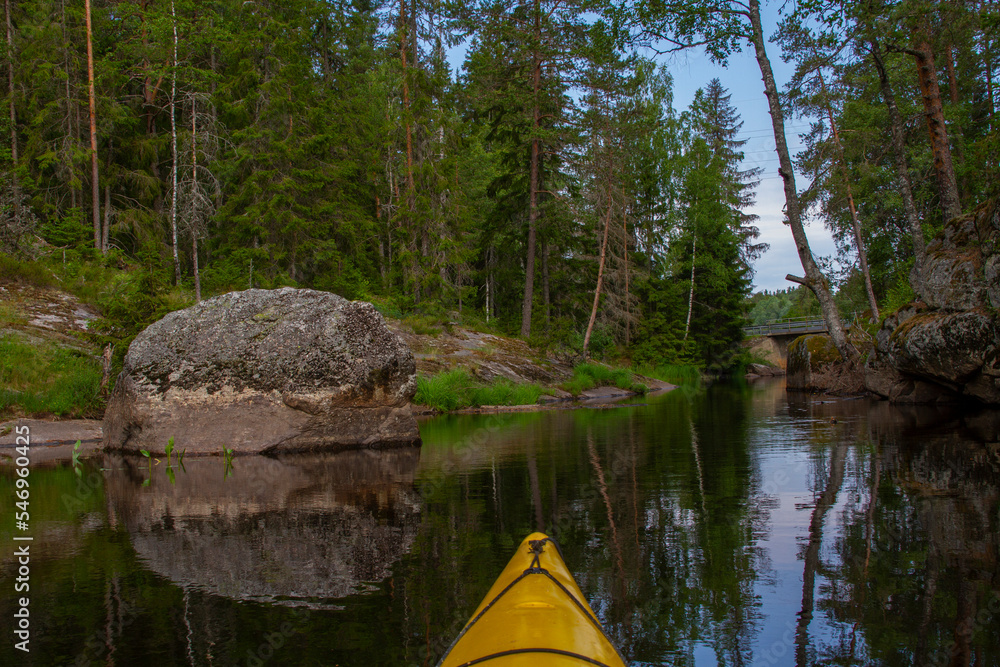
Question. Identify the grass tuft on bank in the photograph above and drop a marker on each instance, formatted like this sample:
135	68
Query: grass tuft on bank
457	389
588	376
47	380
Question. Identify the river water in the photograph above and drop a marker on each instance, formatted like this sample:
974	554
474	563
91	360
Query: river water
731	525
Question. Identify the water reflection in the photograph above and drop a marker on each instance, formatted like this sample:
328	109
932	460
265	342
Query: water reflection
295	530
731	526
741	527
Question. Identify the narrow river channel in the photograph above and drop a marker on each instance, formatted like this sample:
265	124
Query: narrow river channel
733	525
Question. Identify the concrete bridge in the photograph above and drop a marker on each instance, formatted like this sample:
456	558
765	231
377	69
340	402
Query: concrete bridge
772	338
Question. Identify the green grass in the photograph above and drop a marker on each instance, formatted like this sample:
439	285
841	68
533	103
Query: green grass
45	379
588	376
424	325
679	374
29	272
457	389
10	314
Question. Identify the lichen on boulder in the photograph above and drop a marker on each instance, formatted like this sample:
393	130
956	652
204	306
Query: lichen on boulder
807	355
946	347
265	371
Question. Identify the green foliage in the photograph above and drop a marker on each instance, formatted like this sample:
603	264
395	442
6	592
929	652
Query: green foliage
420	199
796	301
456	389
678	374
898	296
589	375
41	379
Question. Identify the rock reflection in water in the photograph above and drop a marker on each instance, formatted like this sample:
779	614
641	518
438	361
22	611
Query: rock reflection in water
297	530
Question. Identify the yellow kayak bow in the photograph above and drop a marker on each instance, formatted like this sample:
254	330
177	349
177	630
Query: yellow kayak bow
534	614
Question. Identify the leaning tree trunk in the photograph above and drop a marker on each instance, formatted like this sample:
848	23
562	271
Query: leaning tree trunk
902	171
930	92
600	279
95	189
814	278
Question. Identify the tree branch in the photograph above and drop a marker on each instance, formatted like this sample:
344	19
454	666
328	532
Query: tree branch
796	279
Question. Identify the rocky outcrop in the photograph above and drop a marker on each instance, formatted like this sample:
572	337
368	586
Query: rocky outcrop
946	347
807	355
265	371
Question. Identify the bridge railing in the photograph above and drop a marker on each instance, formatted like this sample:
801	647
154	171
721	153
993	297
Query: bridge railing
794	325
788	325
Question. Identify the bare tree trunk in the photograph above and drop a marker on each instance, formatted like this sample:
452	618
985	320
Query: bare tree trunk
902	171
694	249
95	186
173	152
859	242
931	95
529	266
600	278
814	279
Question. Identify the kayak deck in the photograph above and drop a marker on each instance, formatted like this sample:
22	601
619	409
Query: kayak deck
534	611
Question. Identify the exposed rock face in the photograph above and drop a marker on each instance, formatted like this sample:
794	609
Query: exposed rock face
807	354
265	371
946	348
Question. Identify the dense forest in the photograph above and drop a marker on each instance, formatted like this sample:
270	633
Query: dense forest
545	186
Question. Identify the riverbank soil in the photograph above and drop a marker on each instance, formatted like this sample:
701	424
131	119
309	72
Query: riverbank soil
50	441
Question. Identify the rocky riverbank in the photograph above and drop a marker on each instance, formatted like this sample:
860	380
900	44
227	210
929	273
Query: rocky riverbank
942	348
47	316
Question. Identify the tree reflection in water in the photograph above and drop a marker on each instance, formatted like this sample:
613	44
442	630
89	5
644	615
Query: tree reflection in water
730	525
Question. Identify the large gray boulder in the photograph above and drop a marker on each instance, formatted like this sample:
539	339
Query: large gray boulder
265	371
947	347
